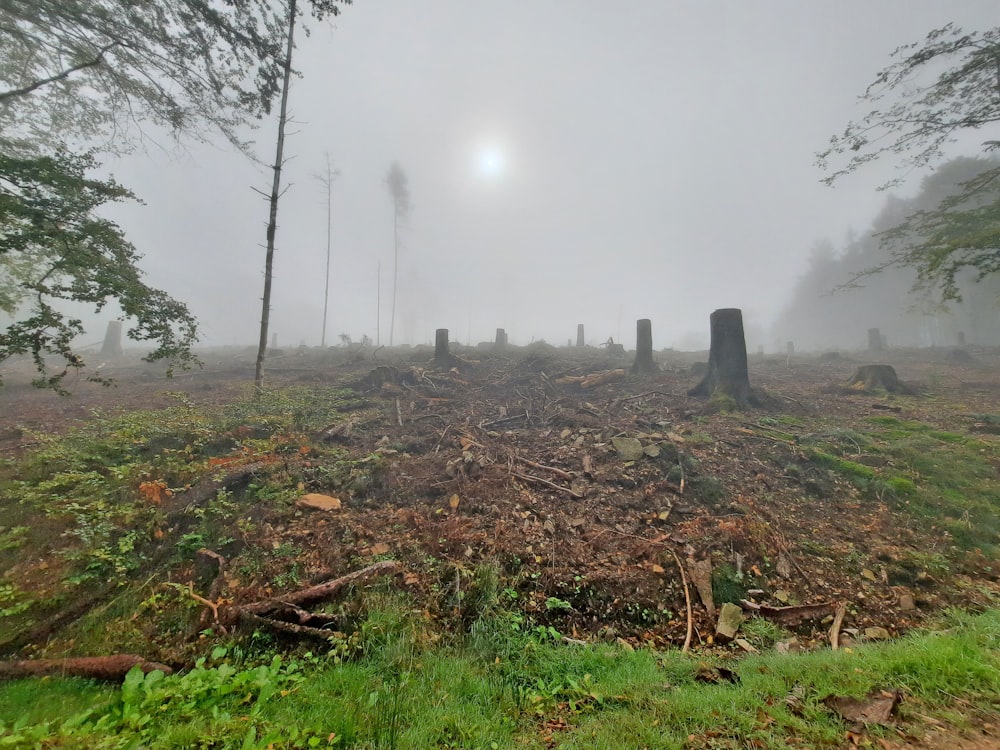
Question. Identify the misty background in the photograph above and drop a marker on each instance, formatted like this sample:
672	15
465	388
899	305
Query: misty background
568	162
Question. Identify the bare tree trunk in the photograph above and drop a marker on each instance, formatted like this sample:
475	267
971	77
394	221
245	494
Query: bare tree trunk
326	180
644	364
874	340
272	224
378	306
395	267
112	340
727	360
579	334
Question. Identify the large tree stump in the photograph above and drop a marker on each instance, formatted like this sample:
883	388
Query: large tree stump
501	339
870	377
727	374
112	346
442	356
579	334
644	364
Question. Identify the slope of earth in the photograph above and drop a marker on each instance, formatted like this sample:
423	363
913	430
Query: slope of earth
584	504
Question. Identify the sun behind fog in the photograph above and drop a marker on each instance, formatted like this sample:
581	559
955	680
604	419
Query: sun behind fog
491	162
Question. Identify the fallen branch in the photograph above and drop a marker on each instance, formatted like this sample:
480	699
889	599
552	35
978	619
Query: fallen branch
789	615
838	620
538	480
504	420
320	591
558	472
280	626
687	601
108	668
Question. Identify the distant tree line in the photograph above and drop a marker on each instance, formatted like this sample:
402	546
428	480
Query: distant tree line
850	288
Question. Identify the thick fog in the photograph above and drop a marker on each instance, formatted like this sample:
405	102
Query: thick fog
569	162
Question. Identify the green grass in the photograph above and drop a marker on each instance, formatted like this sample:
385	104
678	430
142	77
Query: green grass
943	480
503	687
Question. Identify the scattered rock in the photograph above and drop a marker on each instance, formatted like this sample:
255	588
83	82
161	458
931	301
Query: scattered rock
877	634
652	450
876	708
869	574
782	596
907	602
791	646
744	644
629	449
316	501
730	619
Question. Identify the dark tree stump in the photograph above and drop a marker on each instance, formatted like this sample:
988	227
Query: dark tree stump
501	339
870	377
579	334
644	364
727	374
112	340
442	356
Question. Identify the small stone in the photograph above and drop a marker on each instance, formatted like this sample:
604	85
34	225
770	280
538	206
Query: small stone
744	644
782	596
791	646
565	434
730	619
549	526
629	449
657	568
316	501
869	574
906	602
652	450
877	634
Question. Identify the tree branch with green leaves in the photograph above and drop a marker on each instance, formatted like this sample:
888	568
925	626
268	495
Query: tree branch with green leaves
933	92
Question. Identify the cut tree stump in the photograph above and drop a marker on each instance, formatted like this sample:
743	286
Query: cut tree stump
871	377
644	364
727	374
443	358
579	334
501	339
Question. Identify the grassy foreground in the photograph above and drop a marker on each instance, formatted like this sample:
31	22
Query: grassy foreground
507	686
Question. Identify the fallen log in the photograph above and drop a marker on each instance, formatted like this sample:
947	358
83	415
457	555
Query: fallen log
106	668
790	615
318	592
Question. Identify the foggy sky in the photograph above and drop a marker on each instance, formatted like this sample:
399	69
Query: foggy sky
658	161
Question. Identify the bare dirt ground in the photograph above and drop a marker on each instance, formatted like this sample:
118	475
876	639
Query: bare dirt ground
496	460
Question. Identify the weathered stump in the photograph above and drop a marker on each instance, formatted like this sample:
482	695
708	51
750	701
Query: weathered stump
579	334
501	339
728	373
644	364
870	377
112	346
442	356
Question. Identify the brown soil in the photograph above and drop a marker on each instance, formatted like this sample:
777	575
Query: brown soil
495	462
